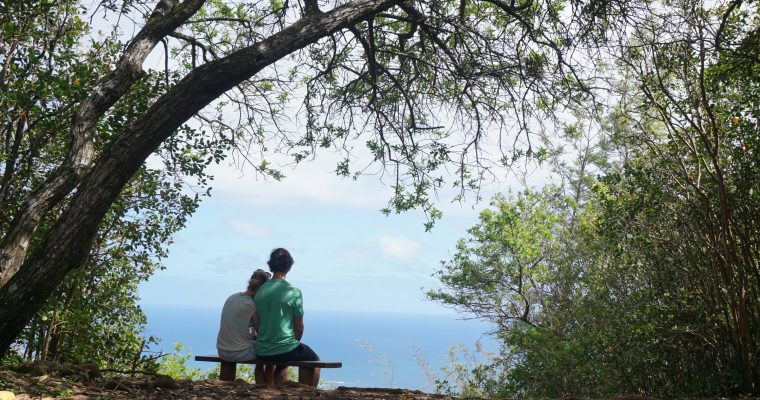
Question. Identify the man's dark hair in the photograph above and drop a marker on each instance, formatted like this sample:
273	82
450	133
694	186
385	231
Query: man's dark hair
280	260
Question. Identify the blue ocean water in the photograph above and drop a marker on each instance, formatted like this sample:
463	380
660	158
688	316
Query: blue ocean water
377	349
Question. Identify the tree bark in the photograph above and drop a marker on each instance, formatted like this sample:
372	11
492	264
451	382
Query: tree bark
69	241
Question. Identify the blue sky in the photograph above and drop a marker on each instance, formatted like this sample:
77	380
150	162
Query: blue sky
348	255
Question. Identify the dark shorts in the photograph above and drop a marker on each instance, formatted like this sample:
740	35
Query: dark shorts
302	352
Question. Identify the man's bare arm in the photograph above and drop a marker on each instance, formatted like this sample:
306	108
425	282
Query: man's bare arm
255	320
298	327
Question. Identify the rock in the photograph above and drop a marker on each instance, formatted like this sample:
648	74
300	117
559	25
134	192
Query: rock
186	384
22	368
117	384
5	395
91	370
41	368
164	382
81	372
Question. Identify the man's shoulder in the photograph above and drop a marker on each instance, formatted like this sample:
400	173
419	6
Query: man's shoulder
277	283
277	288
290	288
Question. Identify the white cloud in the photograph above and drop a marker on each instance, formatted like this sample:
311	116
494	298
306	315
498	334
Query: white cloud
248	229
313	182
398	246
386	256
359	252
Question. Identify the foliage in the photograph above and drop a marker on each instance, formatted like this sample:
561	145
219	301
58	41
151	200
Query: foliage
691	136
584	321
499	271
465	375
647	284
175	365
93	315
101	299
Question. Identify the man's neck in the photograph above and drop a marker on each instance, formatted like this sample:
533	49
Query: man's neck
279	276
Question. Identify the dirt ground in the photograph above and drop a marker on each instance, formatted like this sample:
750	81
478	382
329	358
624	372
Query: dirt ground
84	383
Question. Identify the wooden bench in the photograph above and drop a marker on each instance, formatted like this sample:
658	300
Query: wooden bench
227	370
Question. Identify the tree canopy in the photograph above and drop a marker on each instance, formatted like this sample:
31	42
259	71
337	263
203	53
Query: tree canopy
646	280
380	70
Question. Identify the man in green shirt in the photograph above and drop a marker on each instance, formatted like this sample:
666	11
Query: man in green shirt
278	319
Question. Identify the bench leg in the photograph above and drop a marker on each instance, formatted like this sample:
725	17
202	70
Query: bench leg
227	371
279	374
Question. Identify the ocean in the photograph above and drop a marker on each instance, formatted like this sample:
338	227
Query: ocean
377	349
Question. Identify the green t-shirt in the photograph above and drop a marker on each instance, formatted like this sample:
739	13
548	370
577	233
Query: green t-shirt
277	303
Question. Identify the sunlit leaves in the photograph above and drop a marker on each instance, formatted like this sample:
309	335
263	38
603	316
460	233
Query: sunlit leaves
501	271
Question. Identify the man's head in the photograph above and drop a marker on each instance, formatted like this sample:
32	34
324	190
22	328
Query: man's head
257	279
280	261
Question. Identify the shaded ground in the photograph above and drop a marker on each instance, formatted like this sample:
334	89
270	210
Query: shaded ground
86	382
